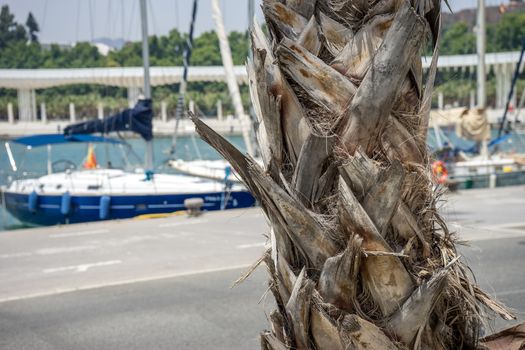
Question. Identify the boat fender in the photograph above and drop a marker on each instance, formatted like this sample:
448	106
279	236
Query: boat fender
105	202
149	175
227	182
32	202
65	204
227	172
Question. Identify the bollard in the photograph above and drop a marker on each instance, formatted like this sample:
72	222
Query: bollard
492	180
194	206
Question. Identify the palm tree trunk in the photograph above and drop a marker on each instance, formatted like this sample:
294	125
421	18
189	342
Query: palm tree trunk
360	257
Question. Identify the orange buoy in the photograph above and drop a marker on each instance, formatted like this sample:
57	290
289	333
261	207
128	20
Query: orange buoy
440	171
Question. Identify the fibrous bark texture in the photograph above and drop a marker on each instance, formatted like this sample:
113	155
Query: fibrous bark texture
360	258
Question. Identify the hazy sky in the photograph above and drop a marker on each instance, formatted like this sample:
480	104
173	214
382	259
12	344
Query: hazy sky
67	21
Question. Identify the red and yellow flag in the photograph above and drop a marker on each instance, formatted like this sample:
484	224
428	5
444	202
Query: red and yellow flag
91	159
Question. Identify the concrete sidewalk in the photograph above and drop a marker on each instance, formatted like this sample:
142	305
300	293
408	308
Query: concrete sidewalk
165	283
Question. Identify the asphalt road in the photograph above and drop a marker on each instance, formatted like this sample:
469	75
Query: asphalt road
192	312
42	261
62	288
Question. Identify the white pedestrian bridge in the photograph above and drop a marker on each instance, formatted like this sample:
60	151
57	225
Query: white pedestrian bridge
115	76
26	81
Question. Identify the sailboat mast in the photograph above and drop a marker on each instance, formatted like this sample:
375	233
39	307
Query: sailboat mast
148	157
184	83
227	62
481	48
251	14
145	48
482	74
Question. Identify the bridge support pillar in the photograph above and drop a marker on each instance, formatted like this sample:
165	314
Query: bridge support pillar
472	99
514	99
26	105
10	114
43	113
100	111
504	74
72	115
219	109
133	95
507	77
164	111
498	72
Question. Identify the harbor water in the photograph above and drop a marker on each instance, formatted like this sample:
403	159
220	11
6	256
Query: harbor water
32	163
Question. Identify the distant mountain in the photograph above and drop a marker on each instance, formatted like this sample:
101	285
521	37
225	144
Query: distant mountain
117	43
493	13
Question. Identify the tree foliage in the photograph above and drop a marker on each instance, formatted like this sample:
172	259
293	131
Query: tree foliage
20	48
32	28
458	39
509	33
10	31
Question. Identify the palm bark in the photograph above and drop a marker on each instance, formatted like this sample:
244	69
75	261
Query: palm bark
359	258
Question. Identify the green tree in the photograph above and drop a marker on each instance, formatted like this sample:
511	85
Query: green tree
239	45
32	28
18	54
509	33
206	50
458	39
10	30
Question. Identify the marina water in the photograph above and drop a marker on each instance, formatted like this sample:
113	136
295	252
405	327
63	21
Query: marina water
32	163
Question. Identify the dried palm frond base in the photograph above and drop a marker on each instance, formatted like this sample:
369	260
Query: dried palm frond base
512	338
360	257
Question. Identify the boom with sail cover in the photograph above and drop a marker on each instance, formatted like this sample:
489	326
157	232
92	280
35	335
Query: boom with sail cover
137	119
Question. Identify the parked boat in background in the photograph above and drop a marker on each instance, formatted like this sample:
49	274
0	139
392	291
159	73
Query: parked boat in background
217	169
485	162
69	194
73	195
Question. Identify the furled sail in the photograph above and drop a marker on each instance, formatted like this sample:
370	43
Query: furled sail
137	119
473	125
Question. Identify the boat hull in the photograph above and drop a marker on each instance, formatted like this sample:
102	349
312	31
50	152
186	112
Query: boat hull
515	178
49	208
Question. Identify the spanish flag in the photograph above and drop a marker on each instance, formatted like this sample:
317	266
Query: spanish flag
91	160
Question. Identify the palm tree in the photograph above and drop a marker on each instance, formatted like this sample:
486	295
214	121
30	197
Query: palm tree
360	257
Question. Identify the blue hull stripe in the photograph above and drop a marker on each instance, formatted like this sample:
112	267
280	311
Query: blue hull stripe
86	208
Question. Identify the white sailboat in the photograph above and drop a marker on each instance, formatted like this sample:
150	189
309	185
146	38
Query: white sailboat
72	194
219	169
